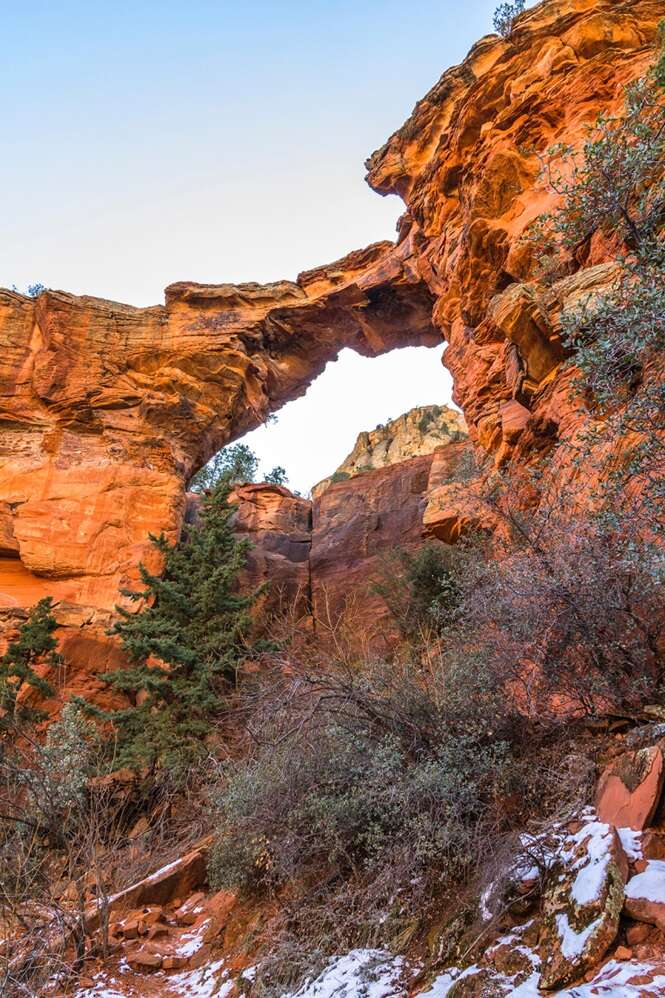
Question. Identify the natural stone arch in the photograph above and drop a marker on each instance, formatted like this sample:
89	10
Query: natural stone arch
108	409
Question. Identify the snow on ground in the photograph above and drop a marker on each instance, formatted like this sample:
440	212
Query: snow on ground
362	973
201	983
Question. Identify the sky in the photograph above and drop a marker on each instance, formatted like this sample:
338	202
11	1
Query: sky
153	141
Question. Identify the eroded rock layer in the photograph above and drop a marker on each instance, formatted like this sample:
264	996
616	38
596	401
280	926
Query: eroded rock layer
419	431
106	410
466	164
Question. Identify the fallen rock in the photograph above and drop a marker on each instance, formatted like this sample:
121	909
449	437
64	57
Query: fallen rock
645	895
630	788
144	959
582	904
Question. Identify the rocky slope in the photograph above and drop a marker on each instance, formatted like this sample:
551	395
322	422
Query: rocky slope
419	431
584	902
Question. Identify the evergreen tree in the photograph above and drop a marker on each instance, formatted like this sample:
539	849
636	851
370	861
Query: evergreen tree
235	465
35	643
184	644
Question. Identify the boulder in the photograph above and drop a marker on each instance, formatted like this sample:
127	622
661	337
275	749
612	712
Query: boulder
645	894
582	903
630	788
144	959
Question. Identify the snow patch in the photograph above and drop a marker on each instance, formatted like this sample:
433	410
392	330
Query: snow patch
631	842
201	983
649	885
572	942
362	972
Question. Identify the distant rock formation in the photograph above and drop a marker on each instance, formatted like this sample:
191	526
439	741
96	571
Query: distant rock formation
417	432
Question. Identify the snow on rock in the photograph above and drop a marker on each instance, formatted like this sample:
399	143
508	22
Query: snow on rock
628	979
581	906
631	842
645	894
362	973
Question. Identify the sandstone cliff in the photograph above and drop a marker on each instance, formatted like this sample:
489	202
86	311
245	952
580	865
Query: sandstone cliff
419	431
107	409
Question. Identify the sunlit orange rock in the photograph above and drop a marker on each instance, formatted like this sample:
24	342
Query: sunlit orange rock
106	410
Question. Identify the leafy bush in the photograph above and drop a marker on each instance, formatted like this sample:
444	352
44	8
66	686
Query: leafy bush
277	476
368	794
616	184
505	16
569	619
423	588
34	290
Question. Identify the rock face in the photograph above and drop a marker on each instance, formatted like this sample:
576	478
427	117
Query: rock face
471	191
629	790
419	431
278	526
356	524
106	410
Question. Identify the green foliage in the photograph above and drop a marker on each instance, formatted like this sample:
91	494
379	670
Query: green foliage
373	775
34	290
505	16
184	643
339	476
35	645
422	588
55	783
277	476
232	465
617	185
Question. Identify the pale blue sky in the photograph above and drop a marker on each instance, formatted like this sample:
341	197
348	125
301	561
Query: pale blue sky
152	141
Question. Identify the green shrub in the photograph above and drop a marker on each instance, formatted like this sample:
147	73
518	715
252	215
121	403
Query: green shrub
505	16
277	476
369	773
232	465
423	587
193	620
34	645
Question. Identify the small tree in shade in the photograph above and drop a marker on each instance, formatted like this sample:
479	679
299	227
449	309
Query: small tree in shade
277	476
184	644
235	465
35	644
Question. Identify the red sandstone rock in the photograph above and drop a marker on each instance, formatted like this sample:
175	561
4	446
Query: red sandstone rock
645	895
278	526
357	524
630	788
144	959
106	410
